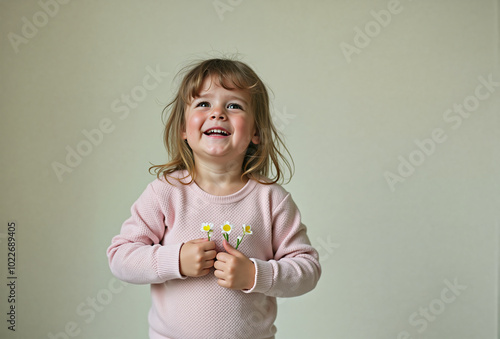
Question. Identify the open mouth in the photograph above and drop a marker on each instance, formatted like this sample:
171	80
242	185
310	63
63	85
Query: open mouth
216	131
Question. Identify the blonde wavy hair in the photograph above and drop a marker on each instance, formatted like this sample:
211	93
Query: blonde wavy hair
263	161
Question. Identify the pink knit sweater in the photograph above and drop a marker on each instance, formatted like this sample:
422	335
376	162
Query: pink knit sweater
166	215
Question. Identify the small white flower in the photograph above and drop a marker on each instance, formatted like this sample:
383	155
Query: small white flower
207	227
247	229
226	228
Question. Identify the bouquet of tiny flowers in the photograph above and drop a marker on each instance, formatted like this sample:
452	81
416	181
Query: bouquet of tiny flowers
226	230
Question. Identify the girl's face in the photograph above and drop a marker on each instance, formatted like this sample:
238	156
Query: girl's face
219	124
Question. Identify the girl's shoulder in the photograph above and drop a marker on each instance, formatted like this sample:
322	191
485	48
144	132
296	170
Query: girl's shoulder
177	179
273	190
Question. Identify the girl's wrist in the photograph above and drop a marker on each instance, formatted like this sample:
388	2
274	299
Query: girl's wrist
251	280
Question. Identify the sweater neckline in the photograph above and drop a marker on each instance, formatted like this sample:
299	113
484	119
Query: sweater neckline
221	199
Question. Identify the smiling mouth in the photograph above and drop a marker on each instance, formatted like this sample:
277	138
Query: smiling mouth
216	131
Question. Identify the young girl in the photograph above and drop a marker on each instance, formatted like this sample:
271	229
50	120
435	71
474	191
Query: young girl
212	197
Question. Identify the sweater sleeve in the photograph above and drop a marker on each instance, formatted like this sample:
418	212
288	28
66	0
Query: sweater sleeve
136	255
295	268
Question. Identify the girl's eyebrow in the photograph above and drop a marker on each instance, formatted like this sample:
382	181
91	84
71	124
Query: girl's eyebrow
231	97
241	99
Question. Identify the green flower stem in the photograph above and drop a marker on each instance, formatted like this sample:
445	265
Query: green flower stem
238	242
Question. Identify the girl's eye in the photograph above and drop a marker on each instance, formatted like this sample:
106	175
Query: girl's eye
203	104
234	106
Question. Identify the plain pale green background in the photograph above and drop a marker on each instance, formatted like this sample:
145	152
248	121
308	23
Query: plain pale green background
386	254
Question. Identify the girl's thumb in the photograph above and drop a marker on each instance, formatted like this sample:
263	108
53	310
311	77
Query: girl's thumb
229	249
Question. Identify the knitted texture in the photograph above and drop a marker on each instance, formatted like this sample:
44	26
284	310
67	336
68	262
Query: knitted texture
168	214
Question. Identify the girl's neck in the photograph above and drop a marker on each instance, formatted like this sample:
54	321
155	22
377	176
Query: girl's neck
219	180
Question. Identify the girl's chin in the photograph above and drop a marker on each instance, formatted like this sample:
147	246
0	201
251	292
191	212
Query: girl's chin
218	155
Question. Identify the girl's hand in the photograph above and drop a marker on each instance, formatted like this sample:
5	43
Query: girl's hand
197	257
234	269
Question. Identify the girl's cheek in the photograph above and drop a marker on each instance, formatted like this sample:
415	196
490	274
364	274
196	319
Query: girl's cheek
194	124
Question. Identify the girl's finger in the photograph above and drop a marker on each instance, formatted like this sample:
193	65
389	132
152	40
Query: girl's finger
210	254
222	256
219	274
218	265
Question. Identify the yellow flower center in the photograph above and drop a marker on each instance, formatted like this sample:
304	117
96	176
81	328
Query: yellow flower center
206	228
247	229
226	228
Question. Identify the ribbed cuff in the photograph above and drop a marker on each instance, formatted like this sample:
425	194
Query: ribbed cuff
263	277
168	262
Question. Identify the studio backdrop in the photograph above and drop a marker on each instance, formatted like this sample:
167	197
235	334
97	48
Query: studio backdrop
390	111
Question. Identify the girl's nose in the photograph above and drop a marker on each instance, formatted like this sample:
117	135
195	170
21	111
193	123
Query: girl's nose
218	115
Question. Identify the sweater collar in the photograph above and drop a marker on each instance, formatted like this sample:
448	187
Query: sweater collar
220	199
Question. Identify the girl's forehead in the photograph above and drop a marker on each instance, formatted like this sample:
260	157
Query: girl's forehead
207	84
213	83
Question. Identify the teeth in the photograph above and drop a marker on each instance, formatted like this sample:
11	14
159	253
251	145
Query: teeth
217	131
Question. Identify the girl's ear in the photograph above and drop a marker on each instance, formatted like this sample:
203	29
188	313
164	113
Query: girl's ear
183	132
255	137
